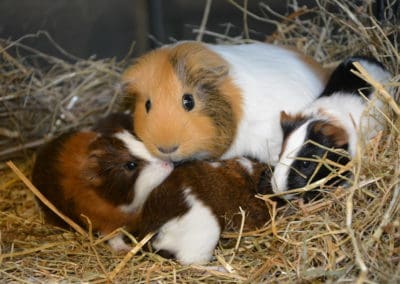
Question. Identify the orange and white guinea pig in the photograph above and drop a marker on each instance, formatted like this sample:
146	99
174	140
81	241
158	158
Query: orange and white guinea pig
105	177
194	100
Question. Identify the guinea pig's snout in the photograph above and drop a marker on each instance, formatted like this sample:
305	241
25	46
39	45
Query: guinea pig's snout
167	149
278	180
274	185
167	165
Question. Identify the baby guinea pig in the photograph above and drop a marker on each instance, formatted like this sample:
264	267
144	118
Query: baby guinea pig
199	200
194	100
104	177
336	120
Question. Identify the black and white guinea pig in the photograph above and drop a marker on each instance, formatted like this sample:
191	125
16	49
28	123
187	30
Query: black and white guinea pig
194	100
105	177
197	201
335	120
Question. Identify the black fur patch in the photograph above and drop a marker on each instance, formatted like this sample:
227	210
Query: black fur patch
302	173
343	80
288	126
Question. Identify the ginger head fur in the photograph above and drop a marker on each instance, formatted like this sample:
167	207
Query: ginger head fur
185	103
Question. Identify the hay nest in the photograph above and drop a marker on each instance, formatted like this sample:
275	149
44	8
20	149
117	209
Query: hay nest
352	234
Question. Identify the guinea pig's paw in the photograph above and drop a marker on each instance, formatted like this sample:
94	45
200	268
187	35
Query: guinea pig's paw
117	244
194	256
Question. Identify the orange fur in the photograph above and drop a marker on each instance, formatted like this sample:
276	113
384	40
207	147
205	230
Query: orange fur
104	217
338	133
163	76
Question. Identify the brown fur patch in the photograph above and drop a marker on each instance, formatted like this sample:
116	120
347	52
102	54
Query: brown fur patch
81	197
336	132
223	189
58	174
163	76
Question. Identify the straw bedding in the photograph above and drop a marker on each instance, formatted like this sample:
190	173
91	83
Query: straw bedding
352	234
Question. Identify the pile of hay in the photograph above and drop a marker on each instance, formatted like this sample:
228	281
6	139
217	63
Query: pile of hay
352	234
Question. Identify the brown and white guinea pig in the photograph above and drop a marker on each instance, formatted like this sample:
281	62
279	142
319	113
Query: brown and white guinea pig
105	177
197	201
194	100
336	120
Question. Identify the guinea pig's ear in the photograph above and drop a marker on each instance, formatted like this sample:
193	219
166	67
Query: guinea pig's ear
215	73
336	133
128	90
290	122
197	65
91	169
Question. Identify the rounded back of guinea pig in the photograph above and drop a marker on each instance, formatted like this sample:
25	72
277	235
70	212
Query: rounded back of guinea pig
307	141
122	170
185	105
57	161
344	80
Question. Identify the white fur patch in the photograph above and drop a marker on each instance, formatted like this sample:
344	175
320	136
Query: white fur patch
191	237
375	71
215	164
135	147
246	164
117	244
151	176
293	145
271	79
347	110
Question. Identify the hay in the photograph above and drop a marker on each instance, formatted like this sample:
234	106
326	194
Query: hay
351	235
42	96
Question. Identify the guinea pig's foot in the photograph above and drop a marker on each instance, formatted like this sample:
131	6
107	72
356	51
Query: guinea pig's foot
117	244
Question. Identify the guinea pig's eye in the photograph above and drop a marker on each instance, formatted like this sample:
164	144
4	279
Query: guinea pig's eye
130	166
305	164
188	102
148	105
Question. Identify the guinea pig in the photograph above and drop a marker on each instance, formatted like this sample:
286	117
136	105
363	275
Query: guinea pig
113	123
195	101
336	120
103	177
197	201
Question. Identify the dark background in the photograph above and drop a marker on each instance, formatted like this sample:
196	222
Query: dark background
107	28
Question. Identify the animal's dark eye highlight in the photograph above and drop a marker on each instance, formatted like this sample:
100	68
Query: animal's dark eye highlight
188	102
148	105
305	164
130	166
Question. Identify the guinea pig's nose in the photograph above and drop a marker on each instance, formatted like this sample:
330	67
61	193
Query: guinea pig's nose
168	150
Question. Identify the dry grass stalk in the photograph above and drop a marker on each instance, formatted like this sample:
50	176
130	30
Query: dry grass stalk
351	235
45	201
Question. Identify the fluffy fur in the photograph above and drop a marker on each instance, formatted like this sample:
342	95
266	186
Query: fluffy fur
199	200
334	121
235	95
103	177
